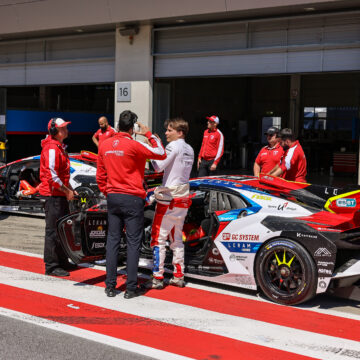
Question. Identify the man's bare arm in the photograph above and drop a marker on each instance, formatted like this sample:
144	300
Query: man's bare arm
256	169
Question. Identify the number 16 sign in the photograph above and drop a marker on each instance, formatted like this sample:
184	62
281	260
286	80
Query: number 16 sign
123	92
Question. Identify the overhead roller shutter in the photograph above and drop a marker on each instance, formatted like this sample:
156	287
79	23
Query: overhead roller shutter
293	45
63	60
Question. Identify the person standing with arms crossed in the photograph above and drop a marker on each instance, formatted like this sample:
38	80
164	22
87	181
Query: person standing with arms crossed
55	187
270	155
172	203
105	131
212	148
120	176
293	163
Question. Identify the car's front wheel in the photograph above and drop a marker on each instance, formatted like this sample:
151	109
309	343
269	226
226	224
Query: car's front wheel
286	272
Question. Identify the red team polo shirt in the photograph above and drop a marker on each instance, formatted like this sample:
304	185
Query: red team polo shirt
101	136
293	163
269	157
212	147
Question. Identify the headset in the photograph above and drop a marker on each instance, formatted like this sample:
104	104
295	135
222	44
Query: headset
53	129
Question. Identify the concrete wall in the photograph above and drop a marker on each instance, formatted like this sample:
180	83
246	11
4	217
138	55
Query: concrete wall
134	64
21	16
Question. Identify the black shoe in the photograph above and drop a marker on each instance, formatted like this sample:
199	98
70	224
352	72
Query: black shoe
110	291
129	294
69	266
57	272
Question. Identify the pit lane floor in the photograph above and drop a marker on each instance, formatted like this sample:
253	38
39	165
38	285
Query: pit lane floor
26	234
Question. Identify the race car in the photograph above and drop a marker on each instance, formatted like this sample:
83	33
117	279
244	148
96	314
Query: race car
19	182
291	240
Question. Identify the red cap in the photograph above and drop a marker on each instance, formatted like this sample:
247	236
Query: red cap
58	123
213	118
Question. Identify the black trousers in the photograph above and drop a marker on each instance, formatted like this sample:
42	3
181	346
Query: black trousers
123	210
204	168
54	256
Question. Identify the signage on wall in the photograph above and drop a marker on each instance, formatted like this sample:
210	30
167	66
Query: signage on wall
123	92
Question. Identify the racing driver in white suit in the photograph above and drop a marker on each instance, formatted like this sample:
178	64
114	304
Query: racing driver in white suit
173	201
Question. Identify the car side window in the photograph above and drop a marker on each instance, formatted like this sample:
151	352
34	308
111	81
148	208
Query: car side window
220	201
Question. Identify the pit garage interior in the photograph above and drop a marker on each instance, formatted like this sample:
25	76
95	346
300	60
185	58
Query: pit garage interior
300	71
327	125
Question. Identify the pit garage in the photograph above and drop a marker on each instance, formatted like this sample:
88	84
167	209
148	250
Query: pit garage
299	72
65	76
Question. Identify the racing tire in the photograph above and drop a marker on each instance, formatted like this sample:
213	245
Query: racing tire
285	272
84	201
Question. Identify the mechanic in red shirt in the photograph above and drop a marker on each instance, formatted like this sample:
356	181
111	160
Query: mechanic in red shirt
120	176
105	131
55	187
293	163
270	155
212	148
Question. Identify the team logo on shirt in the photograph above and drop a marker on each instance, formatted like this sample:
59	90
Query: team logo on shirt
115	143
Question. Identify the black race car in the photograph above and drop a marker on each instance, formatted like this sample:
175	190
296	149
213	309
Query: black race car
19	181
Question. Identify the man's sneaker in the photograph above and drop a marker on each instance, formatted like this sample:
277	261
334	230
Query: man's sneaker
57	272
155	283
177	281
110	291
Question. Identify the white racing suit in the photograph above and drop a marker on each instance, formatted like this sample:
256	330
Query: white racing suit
172	206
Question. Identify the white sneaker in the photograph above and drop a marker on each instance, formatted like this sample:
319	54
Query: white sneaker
177	281
155	283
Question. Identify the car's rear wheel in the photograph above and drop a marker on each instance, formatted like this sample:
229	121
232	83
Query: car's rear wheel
285	272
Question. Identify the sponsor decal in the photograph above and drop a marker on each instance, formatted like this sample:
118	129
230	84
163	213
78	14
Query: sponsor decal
325	263
279	243
226	236
322	284
301	235
283	206
327	229
215	261
97	234
97	245
244	247
261	197
215	251
334	191
324	271
97	222
247	237
346	203
115	143
322	252
234	257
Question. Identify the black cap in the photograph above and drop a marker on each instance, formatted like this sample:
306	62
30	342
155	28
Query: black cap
272	130
287	133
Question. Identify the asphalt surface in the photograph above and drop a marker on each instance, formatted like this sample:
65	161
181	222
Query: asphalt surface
21	340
